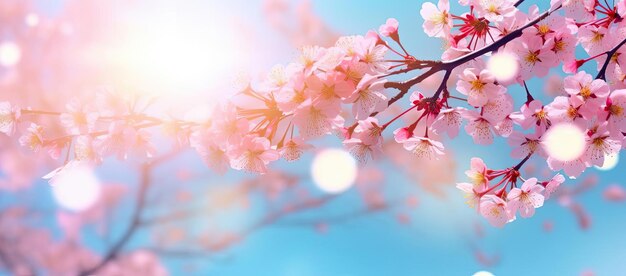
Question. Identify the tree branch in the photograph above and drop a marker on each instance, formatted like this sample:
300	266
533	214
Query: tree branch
609	56
144	185
448	66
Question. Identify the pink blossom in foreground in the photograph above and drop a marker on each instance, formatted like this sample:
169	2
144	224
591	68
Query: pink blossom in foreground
390	28
437	20
527	198
253	155
496	211
583	88
535	59
294	148
479	128
478	86
495	10
424	147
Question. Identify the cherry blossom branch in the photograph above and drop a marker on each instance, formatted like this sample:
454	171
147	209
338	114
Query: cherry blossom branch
267	220
39	112
139	206
144	185
609	56
448	66
521	163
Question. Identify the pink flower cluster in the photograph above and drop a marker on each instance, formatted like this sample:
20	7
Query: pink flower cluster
347	89
499	202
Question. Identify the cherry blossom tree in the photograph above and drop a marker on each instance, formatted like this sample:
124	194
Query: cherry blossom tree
362	89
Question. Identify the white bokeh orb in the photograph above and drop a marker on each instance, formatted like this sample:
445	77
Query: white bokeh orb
483	273
564	142
334	170
503	66
32	19
10	53
610	161
76	188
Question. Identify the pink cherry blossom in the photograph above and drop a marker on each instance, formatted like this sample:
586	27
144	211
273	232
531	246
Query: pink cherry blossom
211	153
294	148
424	147
471	195
362	151
498	107
601	143
535	59
594	39
437	20
8	118
615	111
85	151
78	120
585	89
478	86
331	86
525	144
579	10
553	185
496	211
33	138
495	10
123	139
527	198
227	126
478	174
367	98
448	121
562	110
571	168
372	54
563	45
369	131
534	114
479	127
402	134
253	154
316	119
390	28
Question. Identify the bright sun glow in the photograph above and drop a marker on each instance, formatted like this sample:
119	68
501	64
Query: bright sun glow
564	142
334	170
165	54
76	188
503	66
483	273
610	161
10	54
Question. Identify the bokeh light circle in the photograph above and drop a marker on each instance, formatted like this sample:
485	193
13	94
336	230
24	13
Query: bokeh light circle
10	53
334	170
503	66
610	161
564	142
483	273
76	188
